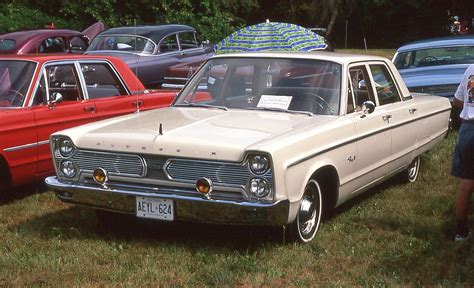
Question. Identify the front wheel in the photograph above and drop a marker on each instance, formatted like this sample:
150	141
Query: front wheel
308	218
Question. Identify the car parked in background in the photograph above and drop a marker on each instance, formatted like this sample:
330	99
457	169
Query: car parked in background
150	50
435	66
255	139
48	40
41	94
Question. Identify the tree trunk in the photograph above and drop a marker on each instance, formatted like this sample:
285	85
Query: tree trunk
335	10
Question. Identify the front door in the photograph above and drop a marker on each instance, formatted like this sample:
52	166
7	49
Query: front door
373	129
59	82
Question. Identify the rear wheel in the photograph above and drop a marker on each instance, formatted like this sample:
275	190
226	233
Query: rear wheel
411	173
308	218
5	185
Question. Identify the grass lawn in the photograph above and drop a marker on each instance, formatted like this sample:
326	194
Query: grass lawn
387	53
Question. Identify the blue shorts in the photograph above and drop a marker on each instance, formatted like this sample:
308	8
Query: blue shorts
463	156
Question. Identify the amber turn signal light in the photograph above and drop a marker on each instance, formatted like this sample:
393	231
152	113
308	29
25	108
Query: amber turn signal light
204	185
100	176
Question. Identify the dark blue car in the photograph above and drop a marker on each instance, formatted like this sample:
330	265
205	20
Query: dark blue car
435	66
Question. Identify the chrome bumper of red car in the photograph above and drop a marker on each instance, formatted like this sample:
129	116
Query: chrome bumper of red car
186	208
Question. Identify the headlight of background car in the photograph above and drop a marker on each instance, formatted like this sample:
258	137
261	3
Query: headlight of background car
259	164
68	168
66	148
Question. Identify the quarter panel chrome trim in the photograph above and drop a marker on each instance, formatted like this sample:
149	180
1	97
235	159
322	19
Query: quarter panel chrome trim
299	161
26	146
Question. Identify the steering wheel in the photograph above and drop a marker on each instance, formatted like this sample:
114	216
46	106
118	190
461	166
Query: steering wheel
322	106
14	97
428	58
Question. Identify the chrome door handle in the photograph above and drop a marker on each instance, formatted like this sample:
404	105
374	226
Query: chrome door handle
412	110
89	109
386	117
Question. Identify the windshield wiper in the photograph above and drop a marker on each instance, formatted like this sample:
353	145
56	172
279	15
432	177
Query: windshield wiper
202	105
282	110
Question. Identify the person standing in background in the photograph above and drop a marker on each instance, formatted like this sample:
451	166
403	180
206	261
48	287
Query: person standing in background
463	157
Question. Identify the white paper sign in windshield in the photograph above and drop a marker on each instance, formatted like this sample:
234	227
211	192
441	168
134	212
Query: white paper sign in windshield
273	101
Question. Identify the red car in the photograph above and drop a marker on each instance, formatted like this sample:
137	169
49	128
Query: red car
48	40
46	93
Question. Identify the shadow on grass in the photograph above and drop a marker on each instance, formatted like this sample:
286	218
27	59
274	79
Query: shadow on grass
81	223
22	192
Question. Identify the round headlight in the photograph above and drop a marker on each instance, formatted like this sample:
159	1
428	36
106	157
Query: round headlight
66	148
259	187
259	164
68	169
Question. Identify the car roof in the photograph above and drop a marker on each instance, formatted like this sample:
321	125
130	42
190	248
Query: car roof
28	34
342	58
56	57
154	32
438	42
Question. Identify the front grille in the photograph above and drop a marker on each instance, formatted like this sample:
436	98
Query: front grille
114	163
144	170
185	170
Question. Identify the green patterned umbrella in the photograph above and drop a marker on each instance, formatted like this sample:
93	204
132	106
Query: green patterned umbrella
271	36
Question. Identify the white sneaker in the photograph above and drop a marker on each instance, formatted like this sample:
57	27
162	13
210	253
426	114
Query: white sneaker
461	238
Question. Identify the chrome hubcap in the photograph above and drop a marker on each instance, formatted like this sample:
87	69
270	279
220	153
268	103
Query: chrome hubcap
413	169
307	215
309	212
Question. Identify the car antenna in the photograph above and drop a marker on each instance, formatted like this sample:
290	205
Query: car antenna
136	67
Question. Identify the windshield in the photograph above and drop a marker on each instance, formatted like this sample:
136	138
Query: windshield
124	43
15	78
287	85
434	57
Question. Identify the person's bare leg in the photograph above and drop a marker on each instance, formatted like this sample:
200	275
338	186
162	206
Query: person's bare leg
463	200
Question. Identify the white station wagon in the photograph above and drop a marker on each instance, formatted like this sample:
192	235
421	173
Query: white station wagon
255	139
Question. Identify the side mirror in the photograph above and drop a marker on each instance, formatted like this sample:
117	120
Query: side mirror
368	107
56	98
205	43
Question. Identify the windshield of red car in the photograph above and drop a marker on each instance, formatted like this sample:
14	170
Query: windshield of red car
434	57
123	43
276	84
15	78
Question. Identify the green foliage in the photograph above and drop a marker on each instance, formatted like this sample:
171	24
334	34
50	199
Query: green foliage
209	17
15	17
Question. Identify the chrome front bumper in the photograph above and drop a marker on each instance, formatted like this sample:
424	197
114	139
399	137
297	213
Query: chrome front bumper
187	208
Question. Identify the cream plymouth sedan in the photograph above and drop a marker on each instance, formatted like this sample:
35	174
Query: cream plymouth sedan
255	139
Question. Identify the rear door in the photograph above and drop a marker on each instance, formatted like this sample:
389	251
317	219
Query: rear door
106	90
59	80
402	115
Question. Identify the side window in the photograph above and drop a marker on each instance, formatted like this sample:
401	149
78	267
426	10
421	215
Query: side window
169	44
52	45
187	40
78	45
384	85
360	86
62	79
101	81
